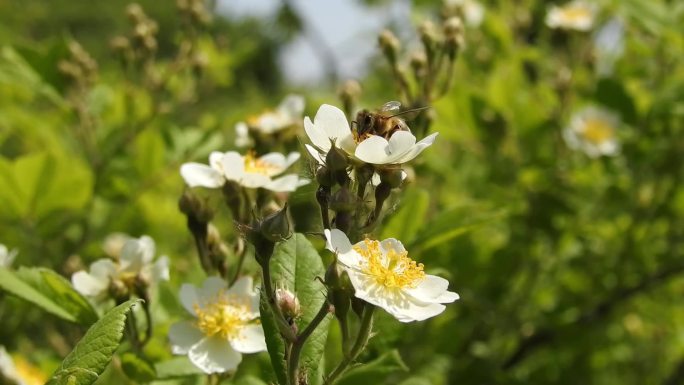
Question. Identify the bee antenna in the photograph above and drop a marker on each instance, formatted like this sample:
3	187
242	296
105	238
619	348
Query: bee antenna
409	111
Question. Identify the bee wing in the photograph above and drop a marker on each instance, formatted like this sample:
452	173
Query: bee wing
391	106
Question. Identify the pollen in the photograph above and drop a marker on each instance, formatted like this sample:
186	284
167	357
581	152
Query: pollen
597	130
256	166
224	316
391	269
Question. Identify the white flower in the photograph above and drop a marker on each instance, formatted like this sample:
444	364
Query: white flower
473	11
19	372
248	170
330	123
134	261
7	256
7	369
382	274
578	15
609	45
287	114
226	324
592	130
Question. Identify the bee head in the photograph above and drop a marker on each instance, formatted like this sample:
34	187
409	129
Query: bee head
364	121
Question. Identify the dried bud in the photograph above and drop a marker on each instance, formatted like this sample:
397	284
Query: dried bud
418	62
390	45
428	33
276	227
135	12
120	43
288	303
336	159
351	89
454	36
190	205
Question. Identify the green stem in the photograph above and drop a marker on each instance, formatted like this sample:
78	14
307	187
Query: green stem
298	345
359	345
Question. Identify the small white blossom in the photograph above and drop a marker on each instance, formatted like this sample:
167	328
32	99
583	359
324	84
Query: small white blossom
383	274
578	15
473	11
248	171
609	45
593	131
7	256
225	325
287	114
330	123
134	261
19	372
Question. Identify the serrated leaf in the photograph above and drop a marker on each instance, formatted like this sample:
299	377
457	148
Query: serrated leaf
295	265
375	371
176	368
49	291
94	351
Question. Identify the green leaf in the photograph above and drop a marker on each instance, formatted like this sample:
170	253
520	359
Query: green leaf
405	222
94	351
49	291
137	369
450	225
375	371
613	94
295	266
176	368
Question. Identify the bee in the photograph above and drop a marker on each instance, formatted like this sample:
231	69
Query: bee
384	122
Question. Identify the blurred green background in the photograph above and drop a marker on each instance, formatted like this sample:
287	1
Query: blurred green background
570	268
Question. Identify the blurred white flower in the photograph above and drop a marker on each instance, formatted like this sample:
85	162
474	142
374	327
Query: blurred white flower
7	256
248	170
578	15
287	114
330	124
383	274
18	373
609	45
134	261
593	130
226	324
473	11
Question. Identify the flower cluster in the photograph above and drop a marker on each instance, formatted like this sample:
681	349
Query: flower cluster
130	268
578	15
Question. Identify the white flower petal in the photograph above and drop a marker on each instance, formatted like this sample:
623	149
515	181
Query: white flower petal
196	174
183	336
392	244
89	285
333	122
433	289
215	159
292	106
242	287
103	269
373	150
316	135
214	355
250	339
253	180
160	270
113	244
276	161
418	148
211	288
318	157
292	158
233	166
338	243
189	297
286	183
401	142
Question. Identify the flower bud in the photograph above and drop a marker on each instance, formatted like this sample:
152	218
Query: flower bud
364	173
428	33
276	227
288	303
135	12
190	205
118	290
336	159
389	44
418	62
454	36
324	177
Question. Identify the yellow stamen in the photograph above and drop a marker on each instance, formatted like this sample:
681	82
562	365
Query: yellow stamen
392	269
597	130
256	166
576	13
224	316
360	138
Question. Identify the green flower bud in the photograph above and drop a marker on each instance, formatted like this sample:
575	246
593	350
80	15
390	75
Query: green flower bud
342	200
390	45
276	227
336	159
393	177
324	177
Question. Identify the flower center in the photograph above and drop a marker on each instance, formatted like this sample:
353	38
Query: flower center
597	131
224	316
576	13
358	138
254	165
390	269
